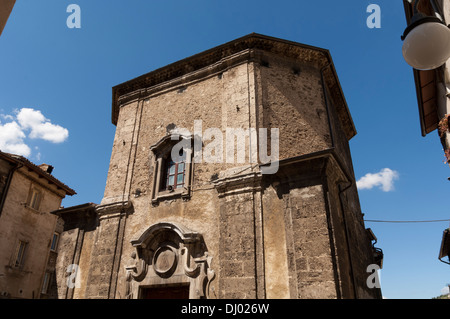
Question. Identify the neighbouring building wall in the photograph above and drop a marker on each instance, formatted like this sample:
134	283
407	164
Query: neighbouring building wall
443	87
77	226
5	170
5	11
20	223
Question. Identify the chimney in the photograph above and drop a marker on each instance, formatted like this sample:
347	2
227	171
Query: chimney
46	168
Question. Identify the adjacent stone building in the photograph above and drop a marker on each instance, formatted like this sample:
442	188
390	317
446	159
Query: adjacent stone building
5	11
28	231
206	221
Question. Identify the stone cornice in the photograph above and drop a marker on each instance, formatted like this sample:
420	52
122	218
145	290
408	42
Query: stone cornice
115	209
308	166
220	55
243	182
249	48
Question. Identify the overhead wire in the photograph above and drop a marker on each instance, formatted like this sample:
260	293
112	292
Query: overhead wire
407	221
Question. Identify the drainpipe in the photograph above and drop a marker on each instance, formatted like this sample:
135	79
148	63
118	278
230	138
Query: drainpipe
352	275
8	183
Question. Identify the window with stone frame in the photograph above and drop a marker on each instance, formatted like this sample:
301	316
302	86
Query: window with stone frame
172	173
55	240
19	255
34	198
46	282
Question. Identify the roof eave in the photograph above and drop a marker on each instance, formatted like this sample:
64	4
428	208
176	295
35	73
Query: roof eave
20	160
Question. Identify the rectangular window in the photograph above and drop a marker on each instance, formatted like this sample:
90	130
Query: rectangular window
46	283
20	253
55	240
175	172
35	199
180	179
175	175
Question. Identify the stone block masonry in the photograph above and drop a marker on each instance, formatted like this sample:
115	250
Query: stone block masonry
226	229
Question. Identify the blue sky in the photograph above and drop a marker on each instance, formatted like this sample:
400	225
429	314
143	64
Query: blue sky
63	78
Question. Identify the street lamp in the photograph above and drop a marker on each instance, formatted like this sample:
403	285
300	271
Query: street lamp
426	43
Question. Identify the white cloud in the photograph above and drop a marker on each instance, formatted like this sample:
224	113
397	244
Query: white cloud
38	155
11	139
445	290
29	118
383	179
33	122
7	117
41	128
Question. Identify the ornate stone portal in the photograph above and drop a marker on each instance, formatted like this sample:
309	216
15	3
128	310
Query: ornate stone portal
170	255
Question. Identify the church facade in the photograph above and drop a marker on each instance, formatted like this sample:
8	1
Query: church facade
230	177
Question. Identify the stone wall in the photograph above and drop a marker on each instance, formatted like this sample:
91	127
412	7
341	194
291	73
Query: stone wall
292	101
19	221
78	232
238	233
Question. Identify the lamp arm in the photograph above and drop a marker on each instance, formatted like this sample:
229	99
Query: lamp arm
419	18
436	10
416	4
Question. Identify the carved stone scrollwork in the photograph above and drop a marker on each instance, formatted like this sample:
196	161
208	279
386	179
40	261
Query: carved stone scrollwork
191	272
138	270
169	254
201	271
